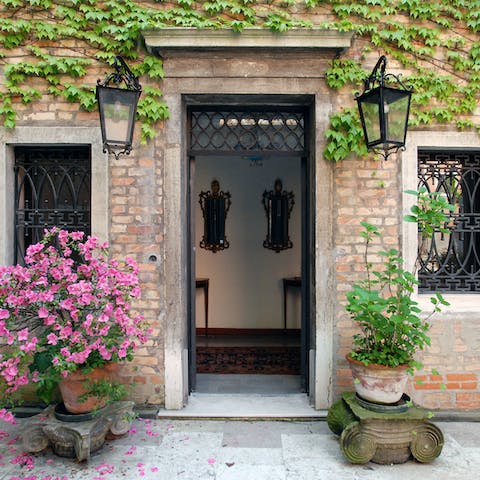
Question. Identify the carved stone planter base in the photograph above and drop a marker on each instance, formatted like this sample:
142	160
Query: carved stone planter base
76	439
383	438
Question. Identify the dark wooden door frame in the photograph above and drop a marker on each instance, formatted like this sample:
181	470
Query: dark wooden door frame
192	344
307	222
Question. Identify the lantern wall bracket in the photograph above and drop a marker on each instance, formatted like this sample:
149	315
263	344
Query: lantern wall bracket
381	77
122	74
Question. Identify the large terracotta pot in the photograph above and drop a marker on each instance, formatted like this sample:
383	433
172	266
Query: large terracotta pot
378	383
76	384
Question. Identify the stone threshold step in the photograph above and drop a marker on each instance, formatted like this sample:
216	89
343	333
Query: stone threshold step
240	406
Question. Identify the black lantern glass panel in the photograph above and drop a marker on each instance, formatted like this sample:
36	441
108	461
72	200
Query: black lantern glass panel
215	205
118	107
117	115
278	206
384	111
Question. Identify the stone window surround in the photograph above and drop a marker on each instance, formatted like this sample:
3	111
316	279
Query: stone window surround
434	140
55	136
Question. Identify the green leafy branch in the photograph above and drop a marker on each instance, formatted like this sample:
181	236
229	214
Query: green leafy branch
344	136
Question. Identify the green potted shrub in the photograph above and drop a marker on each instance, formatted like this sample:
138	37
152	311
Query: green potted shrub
391	326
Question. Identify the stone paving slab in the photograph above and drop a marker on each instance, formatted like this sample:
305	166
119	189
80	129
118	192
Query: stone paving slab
234	450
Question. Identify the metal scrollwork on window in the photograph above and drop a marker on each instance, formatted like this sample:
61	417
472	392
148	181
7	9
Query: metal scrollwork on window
247	131
215	205
278	206
451	262
52	188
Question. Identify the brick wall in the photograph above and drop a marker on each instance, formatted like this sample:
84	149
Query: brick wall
135	223
136	230
455	336
363	190
453	358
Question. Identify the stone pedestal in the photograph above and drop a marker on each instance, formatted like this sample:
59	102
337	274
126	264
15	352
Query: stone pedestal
381	436
76	439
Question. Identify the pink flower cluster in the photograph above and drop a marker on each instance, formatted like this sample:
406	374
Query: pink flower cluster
71	302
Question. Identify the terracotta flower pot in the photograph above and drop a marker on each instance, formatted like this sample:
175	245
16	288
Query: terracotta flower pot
378	383
76	384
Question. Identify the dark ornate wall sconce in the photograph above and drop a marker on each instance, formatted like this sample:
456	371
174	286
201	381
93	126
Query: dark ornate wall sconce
215	205
278	206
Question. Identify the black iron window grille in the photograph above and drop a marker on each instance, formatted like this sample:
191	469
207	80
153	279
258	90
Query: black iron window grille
52	188
247	131
451	262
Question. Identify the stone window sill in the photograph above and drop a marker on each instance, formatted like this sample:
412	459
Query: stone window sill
459	303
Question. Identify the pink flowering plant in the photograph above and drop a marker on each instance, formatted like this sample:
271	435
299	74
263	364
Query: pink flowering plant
67	308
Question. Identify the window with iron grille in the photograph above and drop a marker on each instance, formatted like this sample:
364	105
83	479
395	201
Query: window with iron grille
451	262
52	188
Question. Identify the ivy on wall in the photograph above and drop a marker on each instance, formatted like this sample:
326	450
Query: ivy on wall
50	46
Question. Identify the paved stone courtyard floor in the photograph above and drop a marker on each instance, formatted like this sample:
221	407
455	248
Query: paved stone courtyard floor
165	449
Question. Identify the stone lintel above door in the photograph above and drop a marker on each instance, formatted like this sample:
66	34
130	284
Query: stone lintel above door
172	38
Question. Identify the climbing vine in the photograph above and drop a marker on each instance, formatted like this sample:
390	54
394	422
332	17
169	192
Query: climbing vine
53	47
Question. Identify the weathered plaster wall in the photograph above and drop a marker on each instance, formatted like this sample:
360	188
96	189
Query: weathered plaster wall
246	279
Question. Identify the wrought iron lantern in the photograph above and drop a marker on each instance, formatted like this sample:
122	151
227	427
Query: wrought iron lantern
118	107
384	111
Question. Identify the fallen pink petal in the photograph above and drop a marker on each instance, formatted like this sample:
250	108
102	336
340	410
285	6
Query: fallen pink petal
211	461
104	468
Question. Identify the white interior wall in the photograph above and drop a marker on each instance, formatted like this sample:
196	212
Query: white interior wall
245	280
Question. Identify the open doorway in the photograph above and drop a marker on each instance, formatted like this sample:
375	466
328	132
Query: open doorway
249	325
